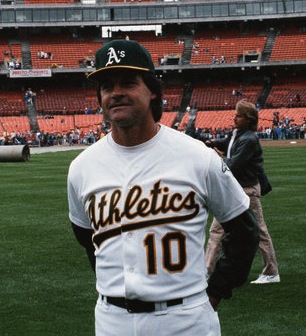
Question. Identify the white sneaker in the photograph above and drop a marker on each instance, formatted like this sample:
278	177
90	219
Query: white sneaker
265	279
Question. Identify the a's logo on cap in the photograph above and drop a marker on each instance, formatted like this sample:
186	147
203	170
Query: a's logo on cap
114	56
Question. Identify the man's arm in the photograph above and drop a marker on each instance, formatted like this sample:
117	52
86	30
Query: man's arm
84	237
239	247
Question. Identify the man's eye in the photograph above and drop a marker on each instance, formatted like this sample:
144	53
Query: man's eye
106	87
129	84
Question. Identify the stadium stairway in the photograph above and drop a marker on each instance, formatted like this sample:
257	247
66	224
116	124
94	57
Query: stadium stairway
26	55
271	35
185	100
32	116
188	43
264	95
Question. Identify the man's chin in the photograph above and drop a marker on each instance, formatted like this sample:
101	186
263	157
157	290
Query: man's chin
123	123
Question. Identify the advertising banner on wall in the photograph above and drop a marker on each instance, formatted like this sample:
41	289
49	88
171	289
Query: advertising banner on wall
26	73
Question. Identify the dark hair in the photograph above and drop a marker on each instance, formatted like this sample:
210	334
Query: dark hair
250	112
155	86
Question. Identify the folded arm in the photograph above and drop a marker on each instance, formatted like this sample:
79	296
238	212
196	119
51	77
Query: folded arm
84	237
239	247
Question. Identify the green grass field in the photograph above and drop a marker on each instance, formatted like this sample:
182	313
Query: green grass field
48	288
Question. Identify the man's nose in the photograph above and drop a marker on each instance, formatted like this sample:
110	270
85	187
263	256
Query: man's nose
117	90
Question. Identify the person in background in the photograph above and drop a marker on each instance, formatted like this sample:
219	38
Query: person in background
139	201
242	153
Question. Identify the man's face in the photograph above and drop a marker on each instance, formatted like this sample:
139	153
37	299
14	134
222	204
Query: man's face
125	98
240	121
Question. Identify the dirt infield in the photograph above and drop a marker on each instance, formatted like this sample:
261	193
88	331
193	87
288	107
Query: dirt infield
283	143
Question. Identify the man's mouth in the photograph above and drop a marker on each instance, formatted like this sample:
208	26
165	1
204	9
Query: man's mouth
118	105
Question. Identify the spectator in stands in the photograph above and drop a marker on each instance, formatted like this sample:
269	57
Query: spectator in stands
163	60
3	139
45	55
17	64
11	64
275	120
302	131
240	91
99	110
297	98
215	60
268	132
242	153
30	97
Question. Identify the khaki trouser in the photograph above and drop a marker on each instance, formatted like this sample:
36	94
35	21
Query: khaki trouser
266	248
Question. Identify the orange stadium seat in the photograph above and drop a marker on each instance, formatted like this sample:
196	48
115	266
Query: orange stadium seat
297	115
88	122
283	93
15	124
66	51
224	119
216	96
290	44
158	46
172	95
11	103
168	118
214	119
65	100
58	124
228	43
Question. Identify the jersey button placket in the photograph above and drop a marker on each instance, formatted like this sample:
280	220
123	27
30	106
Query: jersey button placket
130	262
130	235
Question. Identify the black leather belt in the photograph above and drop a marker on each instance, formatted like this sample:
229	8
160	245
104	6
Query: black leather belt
137	306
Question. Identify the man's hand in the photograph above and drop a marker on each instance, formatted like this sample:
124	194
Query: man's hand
220	153
214	302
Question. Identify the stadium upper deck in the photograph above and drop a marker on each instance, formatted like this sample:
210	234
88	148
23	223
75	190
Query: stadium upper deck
29	13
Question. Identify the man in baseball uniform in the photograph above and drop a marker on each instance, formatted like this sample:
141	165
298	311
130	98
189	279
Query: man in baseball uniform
139	200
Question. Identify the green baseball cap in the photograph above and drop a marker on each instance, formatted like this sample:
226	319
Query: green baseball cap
119	54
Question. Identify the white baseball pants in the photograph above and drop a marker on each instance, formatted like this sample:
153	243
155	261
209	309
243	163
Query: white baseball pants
194	316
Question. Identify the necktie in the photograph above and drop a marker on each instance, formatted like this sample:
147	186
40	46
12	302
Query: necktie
231	144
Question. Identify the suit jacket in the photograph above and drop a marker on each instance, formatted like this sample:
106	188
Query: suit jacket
246	161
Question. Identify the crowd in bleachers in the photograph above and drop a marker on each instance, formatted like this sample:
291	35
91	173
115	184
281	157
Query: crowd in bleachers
44	139
272	125
280	127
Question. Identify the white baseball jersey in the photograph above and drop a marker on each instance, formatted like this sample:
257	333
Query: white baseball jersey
148	206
